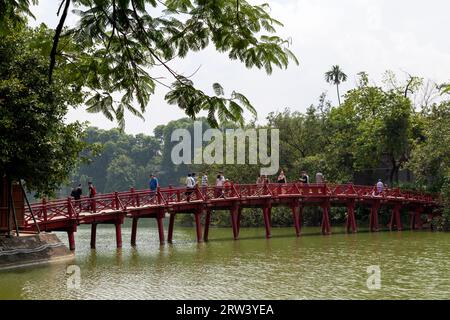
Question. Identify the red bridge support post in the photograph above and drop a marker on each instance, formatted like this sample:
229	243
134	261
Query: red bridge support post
134	231
373	220
326	229
430	220
297	212
159	220
71	235
351	220
416	218
198	224
118	234
239	220
207	222
267	214
419	220
395	218
93	235
234	213
171	224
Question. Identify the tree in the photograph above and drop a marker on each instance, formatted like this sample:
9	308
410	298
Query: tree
121	174
122	46
336	76
140	152
13	12
302	137
430	159
35	143
376	126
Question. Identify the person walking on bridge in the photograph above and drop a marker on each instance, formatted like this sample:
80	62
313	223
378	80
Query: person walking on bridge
190	185
304	177
379	186
219	184
92	193
76	194
194	177
153	184
319	178
281	177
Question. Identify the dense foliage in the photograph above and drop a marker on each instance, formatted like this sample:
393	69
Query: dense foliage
123	160
35	143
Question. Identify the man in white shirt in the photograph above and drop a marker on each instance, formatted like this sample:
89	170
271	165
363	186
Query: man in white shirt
319	178
219	184
190	184
380	186
220	179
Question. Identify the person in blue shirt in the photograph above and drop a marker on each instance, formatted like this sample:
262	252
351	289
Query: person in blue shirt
153	183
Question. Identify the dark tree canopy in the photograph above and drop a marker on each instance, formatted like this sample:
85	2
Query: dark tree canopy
35	143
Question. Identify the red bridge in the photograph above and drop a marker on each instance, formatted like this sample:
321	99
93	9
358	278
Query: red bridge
113	208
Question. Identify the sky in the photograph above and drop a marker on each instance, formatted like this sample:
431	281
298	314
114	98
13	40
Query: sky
405	36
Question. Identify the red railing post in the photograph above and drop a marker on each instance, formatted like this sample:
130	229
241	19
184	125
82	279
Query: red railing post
44	209
138	200
197	192
169	197
158	194
69	207
133	200
116	200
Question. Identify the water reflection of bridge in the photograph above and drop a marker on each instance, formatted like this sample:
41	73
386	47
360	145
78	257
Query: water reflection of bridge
113	208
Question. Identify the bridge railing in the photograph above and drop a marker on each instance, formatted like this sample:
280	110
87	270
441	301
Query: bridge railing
48	211
174	195
252	190
342	190
312	190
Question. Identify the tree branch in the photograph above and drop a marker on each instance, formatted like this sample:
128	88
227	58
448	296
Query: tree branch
56	39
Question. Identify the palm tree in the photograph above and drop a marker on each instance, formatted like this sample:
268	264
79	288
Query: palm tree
336	76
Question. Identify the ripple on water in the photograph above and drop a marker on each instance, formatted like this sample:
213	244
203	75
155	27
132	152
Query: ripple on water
414	265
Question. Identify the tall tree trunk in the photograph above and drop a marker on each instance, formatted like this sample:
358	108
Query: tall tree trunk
393	175
339	98
56	37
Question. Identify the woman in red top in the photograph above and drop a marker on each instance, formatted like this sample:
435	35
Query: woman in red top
92	193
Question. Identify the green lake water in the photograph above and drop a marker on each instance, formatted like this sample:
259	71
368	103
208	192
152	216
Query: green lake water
413	265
